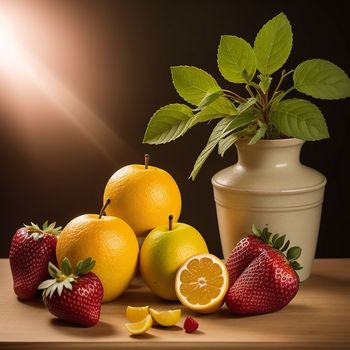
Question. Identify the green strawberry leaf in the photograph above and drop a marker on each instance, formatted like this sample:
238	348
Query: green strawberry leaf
293	253
220	108
285	247
192	83
84	266
236	59
66	267
273	44
279	242
321	79
299	118
296	266
168	123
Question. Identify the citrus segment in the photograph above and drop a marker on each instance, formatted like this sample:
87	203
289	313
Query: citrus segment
140	327
166	318
136	313
201	283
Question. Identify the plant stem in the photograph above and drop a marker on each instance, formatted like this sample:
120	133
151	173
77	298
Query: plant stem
104	207
289	90
283	76
146	160
237	97
170	222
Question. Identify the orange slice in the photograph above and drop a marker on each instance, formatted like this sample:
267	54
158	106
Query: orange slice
201	283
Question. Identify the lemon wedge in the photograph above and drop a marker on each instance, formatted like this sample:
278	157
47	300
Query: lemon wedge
136	313
166	318
140	327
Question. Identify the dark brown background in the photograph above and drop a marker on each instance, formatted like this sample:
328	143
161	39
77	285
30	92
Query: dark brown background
115	55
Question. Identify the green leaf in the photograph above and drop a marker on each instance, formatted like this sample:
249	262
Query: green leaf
293	253
192	83
285	247
228	141
84	266
66	267
296	266
244	106
53	270
273	44
299	118
265	82
236	59
260	133
224	127
212	95
168	123
321	79
279	242
220	108
256	232
274	237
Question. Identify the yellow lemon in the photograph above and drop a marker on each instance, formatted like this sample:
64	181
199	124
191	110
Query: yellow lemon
140	327
166	318
110	242
163	251
201	283
136	313
143	196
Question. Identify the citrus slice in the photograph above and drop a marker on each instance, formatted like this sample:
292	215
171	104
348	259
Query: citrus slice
166	318
201	283
140	327
136	313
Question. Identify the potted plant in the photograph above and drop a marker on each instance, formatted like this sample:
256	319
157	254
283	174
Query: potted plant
268	185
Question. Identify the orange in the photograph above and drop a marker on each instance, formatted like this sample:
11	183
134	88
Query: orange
143	197
201	283
110	242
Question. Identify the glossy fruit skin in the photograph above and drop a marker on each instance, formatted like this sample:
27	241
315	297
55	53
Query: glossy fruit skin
268	284
81	305
28	261
144	198
190	324
163	252
247	249
110	242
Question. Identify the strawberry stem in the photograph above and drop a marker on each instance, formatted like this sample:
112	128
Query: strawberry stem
104	208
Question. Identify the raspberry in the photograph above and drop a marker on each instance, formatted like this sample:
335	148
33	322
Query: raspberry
190	324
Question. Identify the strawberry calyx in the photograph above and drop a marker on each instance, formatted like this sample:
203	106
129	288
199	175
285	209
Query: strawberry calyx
277	241
37	232
65	277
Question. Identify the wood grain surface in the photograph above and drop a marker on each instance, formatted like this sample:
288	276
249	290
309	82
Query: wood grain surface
317	318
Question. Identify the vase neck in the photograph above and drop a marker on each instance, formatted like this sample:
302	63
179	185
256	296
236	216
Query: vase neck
269	153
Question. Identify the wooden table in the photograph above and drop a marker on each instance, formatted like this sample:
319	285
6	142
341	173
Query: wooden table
317	318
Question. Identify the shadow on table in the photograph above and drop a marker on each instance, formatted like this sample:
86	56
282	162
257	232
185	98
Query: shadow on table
36	302
102	329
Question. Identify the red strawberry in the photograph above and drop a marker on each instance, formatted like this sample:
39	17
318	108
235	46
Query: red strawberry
242	255
263	279
32	248
76	296
190	324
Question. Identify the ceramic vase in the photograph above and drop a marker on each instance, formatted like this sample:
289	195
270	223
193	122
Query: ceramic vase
269	186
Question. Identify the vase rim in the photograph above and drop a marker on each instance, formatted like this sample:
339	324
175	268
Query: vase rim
287	142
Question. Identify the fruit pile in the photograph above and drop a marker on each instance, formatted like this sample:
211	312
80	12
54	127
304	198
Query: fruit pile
95	257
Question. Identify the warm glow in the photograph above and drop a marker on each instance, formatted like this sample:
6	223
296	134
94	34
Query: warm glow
21	66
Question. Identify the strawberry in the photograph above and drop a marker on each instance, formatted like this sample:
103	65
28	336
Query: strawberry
190	324
269	281
32	248
74	296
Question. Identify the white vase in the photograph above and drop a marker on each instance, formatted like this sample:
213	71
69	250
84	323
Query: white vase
269	186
